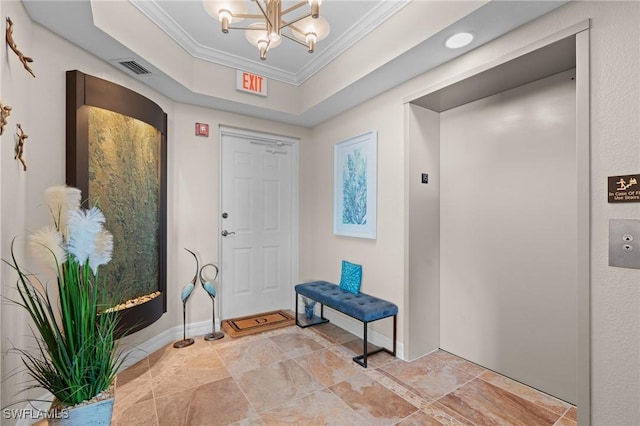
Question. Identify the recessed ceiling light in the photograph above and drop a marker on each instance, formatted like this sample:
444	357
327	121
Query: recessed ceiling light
458	40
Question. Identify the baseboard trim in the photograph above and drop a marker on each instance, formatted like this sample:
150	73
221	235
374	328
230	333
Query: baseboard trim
160	340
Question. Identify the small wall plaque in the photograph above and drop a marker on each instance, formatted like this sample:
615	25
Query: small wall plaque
202	129
624	189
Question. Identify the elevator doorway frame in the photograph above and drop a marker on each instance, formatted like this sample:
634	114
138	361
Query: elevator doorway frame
580	32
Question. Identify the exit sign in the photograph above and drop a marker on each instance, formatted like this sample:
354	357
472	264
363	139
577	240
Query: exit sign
251	83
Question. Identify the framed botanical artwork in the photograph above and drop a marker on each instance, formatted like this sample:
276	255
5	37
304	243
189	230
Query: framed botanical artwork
116	155
355	168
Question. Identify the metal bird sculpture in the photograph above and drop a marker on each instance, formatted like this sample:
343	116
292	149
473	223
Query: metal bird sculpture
211	291
186	293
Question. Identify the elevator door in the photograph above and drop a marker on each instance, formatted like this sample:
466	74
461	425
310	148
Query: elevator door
508	233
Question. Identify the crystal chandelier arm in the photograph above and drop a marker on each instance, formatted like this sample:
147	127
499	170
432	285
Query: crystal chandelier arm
246	28
294	28
265	15
293	39
294	7
306	29
264	49
247	16
285	24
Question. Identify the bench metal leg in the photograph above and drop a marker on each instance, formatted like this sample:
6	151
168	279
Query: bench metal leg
313	321
362	359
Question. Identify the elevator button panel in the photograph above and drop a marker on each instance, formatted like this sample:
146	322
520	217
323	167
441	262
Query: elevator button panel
624	243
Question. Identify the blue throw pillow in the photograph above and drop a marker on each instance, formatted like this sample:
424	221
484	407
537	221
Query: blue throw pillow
351	277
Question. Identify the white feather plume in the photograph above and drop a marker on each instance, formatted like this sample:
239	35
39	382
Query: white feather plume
103	249
84	226
61	199
47	247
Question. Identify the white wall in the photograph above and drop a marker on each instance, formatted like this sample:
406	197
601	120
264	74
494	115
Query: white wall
615	131
416	22
422	258
192	207
39	105
16	185
321	252
128	25
1	247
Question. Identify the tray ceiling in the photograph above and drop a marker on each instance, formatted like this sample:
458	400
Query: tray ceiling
197	32
384	42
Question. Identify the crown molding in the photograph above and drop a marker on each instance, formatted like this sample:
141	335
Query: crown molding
381	12
158	16
216	56
378	14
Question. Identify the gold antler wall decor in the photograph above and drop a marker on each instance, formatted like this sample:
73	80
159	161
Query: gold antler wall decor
5	112
20	146
12	44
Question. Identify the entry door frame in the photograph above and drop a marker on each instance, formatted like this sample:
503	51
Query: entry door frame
581	32
295	202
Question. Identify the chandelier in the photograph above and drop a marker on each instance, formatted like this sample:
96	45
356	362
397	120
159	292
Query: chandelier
272	24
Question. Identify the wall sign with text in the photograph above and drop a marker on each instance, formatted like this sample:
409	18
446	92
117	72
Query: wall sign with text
251	83
624	189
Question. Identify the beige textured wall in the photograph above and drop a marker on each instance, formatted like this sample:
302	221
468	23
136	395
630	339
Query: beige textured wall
416	21
193	170
422	259
192	208
2	338
321	252
128	25
615	131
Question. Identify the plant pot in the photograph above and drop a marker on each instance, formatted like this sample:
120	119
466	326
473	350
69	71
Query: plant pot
96	413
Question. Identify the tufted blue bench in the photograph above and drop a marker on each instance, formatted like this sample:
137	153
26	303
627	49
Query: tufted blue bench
360	306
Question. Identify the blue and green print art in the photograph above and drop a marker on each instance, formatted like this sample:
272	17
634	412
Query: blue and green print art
354	189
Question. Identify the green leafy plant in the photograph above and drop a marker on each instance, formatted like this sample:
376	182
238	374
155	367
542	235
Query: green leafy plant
76	356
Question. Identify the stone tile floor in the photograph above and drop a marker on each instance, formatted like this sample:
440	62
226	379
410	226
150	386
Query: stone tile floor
306	377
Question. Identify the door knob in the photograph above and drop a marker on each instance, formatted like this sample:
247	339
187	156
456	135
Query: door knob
225	233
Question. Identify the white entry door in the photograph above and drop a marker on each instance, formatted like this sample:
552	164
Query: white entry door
258	222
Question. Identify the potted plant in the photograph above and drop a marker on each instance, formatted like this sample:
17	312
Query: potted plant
76	357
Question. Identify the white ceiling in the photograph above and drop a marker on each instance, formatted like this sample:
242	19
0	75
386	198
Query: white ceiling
352	23
197	32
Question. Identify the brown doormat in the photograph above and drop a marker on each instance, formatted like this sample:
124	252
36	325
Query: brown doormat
257	323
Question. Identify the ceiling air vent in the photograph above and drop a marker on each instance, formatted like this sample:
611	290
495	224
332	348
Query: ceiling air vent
135	67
